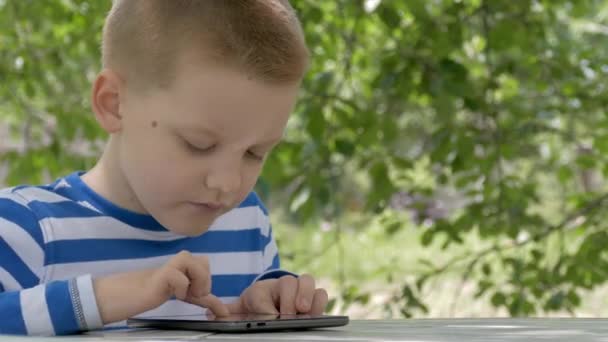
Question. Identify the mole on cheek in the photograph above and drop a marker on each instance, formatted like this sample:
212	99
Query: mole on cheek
154	123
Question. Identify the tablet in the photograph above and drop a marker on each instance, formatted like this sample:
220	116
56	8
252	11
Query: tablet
238	323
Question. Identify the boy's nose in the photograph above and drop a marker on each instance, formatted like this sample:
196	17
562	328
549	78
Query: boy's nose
223	180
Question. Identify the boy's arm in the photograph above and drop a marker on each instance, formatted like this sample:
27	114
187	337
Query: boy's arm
185	277
26	306
54	308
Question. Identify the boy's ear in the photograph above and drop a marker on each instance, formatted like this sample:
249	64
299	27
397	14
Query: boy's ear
105	100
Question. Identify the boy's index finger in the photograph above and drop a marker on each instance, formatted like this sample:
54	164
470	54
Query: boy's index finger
288	287
305	294
212	303
203	260
200	278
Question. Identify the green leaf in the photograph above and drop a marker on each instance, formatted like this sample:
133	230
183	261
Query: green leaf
498	299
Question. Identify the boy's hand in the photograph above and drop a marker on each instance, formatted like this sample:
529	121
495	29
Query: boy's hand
286	295
184	276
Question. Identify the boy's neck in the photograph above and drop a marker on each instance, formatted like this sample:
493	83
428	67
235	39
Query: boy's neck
107	180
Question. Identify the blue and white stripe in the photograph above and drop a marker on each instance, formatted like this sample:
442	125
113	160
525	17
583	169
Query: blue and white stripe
55	239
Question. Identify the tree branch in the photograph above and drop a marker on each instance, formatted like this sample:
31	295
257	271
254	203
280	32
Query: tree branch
588	209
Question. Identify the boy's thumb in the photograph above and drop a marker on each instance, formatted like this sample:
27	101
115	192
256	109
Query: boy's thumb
257	302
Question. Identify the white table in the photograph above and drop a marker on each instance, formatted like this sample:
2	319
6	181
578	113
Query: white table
492	329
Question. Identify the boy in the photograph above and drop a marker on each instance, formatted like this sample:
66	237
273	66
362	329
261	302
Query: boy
194	94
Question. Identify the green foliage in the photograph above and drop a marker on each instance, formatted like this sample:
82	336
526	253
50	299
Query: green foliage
501	102
48	58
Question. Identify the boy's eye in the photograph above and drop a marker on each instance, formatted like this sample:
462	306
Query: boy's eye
198	149
255	156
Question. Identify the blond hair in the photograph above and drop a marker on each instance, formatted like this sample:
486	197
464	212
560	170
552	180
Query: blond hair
144	39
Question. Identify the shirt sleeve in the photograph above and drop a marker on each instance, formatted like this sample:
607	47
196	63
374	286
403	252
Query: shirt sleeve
28	307
271	259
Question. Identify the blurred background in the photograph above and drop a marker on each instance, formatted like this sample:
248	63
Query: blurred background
447	158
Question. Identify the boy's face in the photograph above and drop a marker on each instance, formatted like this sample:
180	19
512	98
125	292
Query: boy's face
194	151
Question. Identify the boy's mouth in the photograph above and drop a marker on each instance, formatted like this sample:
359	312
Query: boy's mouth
211	206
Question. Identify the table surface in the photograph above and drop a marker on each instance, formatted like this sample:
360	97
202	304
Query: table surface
420	330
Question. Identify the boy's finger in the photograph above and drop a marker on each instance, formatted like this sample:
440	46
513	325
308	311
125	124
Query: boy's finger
260	299
179	259
204	261
177	282
236	307
288	289
197	269
212	303
263	305
319	302
306	290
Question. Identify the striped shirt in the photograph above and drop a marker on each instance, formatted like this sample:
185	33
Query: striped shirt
56	238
